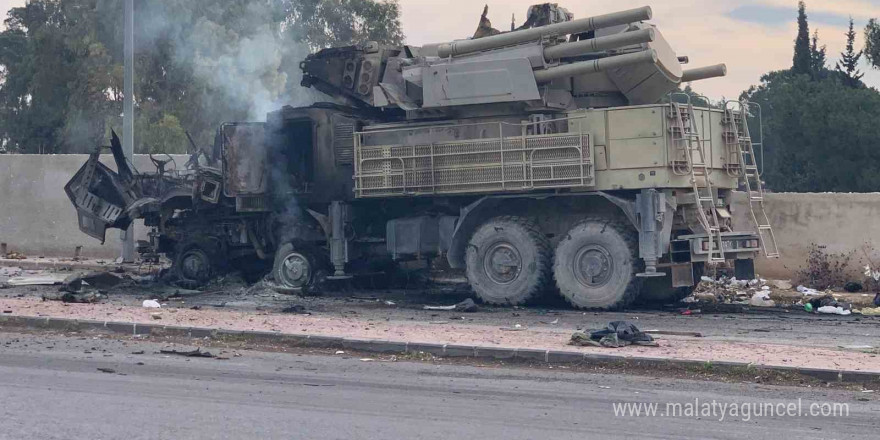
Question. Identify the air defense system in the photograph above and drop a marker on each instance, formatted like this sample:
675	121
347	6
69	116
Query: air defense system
557	157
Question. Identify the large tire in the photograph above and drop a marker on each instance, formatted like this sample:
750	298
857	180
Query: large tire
196	263
295	269
508	261
596	265
660	290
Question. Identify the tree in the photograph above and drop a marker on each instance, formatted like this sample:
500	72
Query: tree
818	57
849	59
872	42
803	56
820	135
199	63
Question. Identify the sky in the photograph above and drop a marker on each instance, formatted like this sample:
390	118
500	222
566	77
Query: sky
751	36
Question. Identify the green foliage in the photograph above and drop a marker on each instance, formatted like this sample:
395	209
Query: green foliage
803	56
820	135
872	42
818	57
198	63
849	59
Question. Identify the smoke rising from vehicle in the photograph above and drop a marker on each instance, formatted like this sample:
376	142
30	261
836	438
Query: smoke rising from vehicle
249	60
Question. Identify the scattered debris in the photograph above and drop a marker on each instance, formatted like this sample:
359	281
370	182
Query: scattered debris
831	310
808	291
340	352
781	284
107	370
156	316
367	360
762	299
514	328
37	280
15	256
870	312
296	309
853	287
75	298
97	279
617	334
390	303
466	306
192	353
152	304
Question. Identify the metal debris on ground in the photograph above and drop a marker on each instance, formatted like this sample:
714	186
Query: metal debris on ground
466	306
191	353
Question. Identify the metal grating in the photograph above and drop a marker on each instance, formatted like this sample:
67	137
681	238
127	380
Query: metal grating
511	163
343	143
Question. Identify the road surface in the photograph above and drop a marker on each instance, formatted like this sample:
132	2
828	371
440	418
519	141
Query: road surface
53	387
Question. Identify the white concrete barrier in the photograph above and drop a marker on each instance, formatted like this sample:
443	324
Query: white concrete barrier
37	219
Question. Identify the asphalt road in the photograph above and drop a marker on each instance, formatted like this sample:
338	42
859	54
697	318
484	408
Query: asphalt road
51	387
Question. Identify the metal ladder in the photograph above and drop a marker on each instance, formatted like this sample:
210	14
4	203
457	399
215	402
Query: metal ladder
687	141
737	134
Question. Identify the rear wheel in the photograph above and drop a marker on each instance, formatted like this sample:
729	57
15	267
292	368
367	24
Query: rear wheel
295	269
508	261
596	265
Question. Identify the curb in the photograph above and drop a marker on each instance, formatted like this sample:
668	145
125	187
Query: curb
441	350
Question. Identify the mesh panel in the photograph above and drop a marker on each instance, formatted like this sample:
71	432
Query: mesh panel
513	163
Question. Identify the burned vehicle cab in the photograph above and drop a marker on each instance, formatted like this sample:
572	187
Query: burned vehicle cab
312	151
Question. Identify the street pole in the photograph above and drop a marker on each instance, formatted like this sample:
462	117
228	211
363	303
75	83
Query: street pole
128	118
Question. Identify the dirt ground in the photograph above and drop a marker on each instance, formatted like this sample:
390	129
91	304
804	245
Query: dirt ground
730	332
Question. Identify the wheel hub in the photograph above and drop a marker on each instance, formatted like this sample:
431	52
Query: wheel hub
195	265
593	266
296	270
502	263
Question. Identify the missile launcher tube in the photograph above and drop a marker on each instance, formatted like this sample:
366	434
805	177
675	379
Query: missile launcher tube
569	27
602	64
599	44
699	73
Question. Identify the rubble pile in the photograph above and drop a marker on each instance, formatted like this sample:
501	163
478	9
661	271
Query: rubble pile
729	290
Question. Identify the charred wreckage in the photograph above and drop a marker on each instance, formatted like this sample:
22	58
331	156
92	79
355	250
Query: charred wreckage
554	157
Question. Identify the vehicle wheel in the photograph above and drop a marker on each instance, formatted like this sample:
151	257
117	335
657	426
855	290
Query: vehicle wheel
194	266
596	265
660	290
295	269
508	261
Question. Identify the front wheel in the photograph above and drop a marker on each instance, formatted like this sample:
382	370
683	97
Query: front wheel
596	265
508	261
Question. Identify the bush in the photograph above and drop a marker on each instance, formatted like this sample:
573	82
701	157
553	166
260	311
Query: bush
824	270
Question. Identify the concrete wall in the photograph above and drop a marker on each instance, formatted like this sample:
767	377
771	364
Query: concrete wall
841	222
37	219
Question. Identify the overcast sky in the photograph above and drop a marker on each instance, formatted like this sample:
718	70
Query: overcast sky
751	36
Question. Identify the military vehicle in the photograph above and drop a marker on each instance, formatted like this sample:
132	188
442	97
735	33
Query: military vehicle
556	157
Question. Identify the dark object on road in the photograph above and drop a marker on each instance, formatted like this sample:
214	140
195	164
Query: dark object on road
107	370
97	279
582	339
853	287
620	334
75	298
193	353
467	306
877	300
296	309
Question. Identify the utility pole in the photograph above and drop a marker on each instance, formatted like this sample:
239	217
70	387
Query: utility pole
128	118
